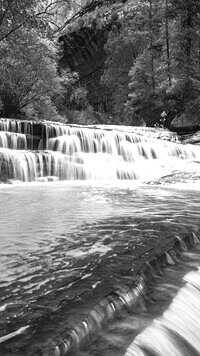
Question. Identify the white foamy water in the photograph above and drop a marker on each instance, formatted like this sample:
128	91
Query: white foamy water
90	153
80	225
179	324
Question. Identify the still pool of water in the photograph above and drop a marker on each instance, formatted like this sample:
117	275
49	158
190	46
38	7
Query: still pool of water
55	234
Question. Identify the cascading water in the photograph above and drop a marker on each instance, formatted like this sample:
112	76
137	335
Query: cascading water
97	265
88	153
13	140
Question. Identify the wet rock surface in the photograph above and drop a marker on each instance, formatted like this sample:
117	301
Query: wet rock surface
161	290
193	138
181	177
97	261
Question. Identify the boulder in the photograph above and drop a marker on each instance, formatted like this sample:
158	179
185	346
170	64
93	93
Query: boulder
192	138
186	122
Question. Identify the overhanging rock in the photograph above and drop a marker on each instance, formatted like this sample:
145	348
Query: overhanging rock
83	52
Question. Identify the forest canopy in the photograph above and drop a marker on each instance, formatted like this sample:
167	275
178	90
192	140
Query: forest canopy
153	63
152	66
30	80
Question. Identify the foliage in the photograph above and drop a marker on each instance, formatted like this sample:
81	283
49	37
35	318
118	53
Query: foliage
30	82
153	61
121	52
28	71
162	71
45	15
78	97
127	41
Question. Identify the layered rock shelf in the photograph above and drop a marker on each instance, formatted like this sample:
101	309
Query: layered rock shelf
46	151
132	270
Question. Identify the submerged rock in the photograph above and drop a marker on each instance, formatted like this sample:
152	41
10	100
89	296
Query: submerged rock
14	181
52	178
48	179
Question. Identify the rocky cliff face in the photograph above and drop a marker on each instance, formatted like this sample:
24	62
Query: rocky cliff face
83	52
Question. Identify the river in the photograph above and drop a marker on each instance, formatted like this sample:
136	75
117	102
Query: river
53	234
96	225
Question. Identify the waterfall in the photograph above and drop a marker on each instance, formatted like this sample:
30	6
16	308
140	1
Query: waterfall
177	331
87	152
171	330
90	152
97	269
13	140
